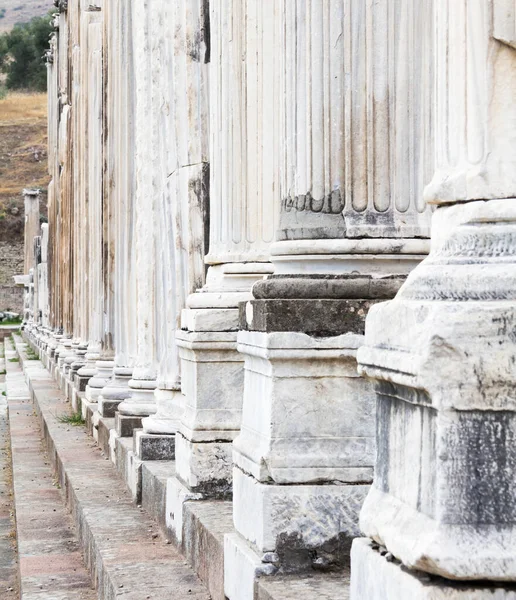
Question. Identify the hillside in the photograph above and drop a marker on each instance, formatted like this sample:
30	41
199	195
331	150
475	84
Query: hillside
21	11
23	157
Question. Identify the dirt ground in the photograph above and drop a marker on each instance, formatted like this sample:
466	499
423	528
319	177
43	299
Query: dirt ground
23	158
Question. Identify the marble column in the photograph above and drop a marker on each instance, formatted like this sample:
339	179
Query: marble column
354	99
180	105
77	57
440	517
120	100
93	104
244	142
142	402
32	229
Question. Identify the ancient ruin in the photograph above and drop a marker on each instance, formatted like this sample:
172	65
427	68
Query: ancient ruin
278	283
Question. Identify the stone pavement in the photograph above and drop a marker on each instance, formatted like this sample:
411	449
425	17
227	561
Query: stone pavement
8	558
50	561
122	548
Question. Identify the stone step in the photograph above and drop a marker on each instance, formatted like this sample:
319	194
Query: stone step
51	565
8	557
204	525
123	549
205	522
323	586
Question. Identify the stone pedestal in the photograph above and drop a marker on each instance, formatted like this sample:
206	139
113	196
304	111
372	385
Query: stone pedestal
304	456
377	575
212	383
114	391
441	355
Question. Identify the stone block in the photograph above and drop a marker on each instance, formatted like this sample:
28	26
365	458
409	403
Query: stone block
305	525
126	424
81	382
205	467
205	522
176	496
154	491
376	575
104	432
212	381
148	446
308	586
242	566
307	415
107	407
129	466
210	319
319	317
87	410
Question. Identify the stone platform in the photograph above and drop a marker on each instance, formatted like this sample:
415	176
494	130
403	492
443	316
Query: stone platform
122	547
8	556
204	522
51	565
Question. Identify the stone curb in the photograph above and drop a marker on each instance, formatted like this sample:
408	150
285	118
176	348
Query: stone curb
123	551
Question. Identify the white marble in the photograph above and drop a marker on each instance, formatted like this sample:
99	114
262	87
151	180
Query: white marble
242	566
443	360
374	577
307	415
268	515
476	113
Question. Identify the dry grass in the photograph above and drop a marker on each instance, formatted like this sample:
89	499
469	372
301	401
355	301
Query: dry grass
23	108
23	156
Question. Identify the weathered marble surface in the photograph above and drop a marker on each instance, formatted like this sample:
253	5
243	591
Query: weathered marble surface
375	576
443	357
307	416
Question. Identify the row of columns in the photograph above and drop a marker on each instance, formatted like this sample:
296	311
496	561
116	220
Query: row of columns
235	185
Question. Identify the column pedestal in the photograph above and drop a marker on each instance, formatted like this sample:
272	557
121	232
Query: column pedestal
115	391
377	575
212	382
441	355
303	459
75	378
101	377
88	370
141	403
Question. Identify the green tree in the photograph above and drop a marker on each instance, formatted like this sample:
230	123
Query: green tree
22	54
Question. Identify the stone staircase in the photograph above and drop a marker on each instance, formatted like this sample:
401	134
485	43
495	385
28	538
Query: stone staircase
84	530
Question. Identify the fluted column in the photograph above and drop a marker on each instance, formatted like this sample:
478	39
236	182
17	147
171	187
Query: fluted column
243	216
354	96
358	139
440	359
143	382
93	82
120	95
244	144
182	173
77	23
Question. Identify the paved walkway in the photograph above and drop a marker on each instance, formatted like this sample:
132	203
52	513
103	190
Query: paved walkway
51	564
123	549
8	558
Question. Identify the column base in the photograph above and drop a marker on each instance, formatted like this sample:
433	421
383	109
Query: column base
205	467
126	424
242	566
81	382
149	446
307	526
375	575
107	407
